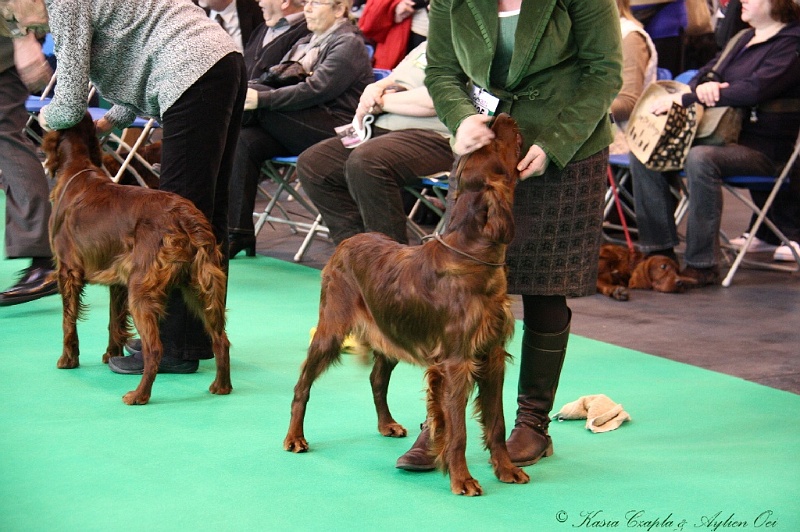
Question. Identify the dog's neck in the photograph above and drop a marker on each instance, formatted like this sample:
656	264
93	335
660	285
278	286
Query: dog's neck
437	237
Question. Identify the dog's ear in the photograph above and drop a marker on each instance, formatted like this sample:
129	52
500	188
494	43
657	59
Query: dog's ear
640	278
499	214
50	144
89	135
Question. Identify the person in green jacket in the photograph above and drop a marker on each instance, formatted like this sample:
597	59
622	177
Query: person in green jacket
555	66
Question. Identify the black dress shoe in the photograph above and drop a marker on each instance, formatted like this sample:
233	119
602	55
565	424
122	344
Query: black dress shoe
241	242
134	365
35	282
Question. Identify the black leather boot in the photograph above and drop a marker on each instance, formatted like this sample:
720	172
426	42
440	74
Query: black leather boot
417	458
540	368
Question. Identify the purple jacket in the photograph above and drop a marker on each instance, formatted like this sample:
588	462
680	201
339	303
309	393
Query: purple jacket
758	74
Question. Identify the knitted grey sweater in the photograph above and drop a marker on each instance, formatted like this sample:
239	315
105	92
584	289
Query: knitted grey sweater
141	55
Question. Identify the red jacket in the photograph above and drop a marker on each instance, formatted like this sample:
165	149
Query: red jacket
391	40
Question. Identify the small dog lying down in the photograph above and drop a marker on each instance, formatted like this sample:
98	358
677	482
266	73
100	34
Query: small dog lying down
619	270
141	243
442	305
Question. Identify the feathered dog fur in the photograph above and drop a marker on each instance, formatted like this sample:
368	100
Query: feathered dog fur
442	305
141	243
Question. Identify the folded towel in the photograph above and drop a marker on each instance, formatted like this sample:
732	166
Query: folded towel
601	413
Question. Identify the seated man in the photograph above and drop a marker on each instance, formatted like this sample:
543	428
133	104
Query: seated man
360	189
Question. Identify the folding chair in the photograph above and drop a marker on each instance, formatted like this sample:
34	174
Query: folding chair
283	172
431	194
619	175
125	153
772	184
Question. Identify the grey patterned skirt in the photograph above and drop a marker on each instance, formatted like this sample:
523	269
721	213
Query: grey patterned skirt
558	218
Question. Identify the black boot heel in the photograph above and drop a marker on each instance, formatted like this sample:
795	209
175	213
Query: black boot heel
242	242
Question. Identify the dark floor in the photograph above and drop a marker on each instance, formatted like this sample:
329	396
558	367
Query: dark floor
750	329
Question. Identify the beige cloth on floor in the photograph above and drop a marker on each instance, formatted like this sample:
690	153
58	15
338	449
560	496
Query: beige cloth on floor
601	413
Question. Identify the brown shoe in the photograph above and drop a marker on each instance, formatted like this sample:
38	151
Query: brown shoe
418	458
703	276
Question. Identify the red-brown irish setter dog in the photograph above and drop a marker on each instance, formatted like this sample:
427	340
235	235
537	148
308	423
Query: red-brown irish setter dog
442	305
620	269
141	243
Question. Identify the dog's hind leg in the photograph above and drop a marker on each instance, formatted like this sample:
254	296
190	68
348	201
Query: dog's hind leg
118	330
70	285
490	376
208	302
325	349
456	388
146	304
379	379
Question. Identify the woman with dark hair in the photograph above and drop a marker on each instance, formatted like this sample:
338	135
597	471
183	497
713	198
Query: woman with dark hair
760	74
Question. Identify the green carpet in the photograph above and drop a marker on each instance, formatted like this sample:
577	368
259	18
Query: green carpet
704	451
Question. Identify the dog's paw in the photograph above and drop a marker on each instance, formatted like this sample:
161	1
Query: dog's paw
513	475
469	487
135	398
295	444
393	430
620	293
66	362
220	388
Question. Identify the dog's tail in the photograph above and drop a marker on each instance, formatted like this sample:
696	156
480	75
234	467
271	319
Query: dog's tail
206	270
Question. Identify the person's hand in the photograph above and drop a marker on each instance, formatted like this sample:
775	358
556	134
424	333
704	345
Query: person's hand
403	10
43	123
251	100
663	104
103	126
473	134
708	92
371	100
534	163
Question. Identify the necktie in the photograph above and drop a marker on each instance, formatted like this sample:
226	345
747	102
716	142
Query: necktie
221	21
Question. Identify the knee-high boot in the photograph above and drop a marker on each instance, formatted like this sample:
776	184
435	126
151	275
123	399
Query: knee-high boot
539	371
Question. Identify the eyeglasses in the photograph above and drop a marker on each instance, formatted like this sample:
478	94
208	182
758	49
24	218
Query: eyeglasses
316	3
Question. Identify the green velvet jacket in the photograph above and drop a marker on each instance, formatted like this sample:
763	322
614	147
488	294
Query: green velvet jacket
565	71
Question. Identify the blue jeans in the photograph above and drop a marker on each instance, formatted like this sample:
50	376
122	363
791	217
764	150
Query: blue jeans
704	168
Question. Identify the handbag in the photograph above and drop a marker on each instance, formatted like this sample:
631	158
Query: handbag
719	126
284	74
662	142
32	67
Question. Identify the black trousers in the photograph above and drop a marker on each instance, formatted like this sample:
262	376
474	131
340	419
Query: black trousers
275	134
200	132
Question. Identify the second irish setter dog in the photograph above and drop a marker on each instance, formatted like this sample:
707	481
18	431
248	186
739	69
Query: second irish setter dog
619	269
442	305
142	243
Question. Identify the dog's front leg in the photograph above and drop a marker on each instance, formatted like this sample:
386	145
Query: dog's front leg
490	378
379	379
456	387
70	285
118	332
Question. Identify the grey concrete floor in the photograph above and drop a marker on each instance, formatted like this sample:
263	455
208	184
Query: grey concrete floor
750	330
